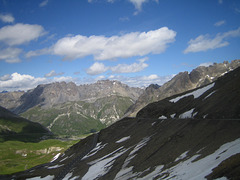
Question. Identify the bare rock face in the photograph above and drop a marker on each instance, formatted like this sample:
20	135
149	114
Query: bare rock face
47	95
182	82
10	100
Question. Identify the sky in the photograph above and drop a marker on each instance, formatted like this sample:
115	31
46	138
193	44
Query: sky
137	42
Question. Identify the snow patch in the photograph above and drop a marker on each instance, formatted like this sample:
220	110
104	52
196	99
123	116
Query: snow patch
187	114
126	172
56	166
55	157
39	177
123	139
68	177
182	156
100	167
94	150
191	169
197	93
162	117
173	115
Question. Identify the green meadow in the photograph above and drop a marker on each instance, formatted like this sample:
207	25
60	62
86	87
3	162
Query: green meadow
18	156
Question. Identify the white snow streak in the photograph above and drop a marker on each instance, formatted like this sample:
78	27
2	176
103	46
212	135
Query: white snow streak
182	156
123	139
55	157
101	166
45	178
197	93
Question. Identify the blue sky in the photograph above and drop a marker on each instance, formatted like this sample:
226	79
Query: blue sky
138	42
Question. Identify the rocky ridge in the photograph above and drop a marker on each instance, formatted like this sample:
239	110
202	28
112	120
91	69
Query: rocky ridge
182	82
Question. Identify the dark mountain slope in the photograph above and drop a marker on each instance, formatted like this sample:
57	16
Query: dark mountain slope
151	148
183	82
13	127
219	99
148	149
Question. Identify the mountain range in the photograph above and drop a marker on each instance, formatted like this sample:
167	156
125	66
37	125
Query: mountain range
191	135
70	110
182	82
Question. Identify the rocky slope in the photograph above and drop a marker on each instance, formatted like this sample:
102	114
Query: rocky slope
68	109
47	95
182	82
13	127
79	117
149	147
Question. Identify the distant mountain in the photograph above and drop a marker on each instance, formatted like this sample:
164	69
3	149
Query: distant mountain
182	82
13	127
68	109
79	117
200	139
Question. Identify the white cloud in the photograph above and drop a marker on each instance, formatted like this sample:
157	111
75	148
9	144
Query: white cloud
205	43
20	33
106	48
43	3
220	23
132	68
20	82
24	82
220	1
53	73
97	68
10	55
206	64
7	18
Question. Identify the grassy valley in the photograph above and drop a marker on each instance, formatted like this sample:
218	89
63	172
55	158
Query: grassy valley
18	156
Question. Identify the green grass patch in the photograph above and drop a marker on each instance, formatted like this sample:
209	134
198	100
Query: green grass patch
17	156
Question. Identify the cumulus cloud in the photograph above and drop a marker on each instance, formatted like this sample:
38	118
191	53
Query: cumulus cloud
53	73
7	18
132	68
205	43
97	68
106	48
20	33
20	82
10	55
220	23
24	82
